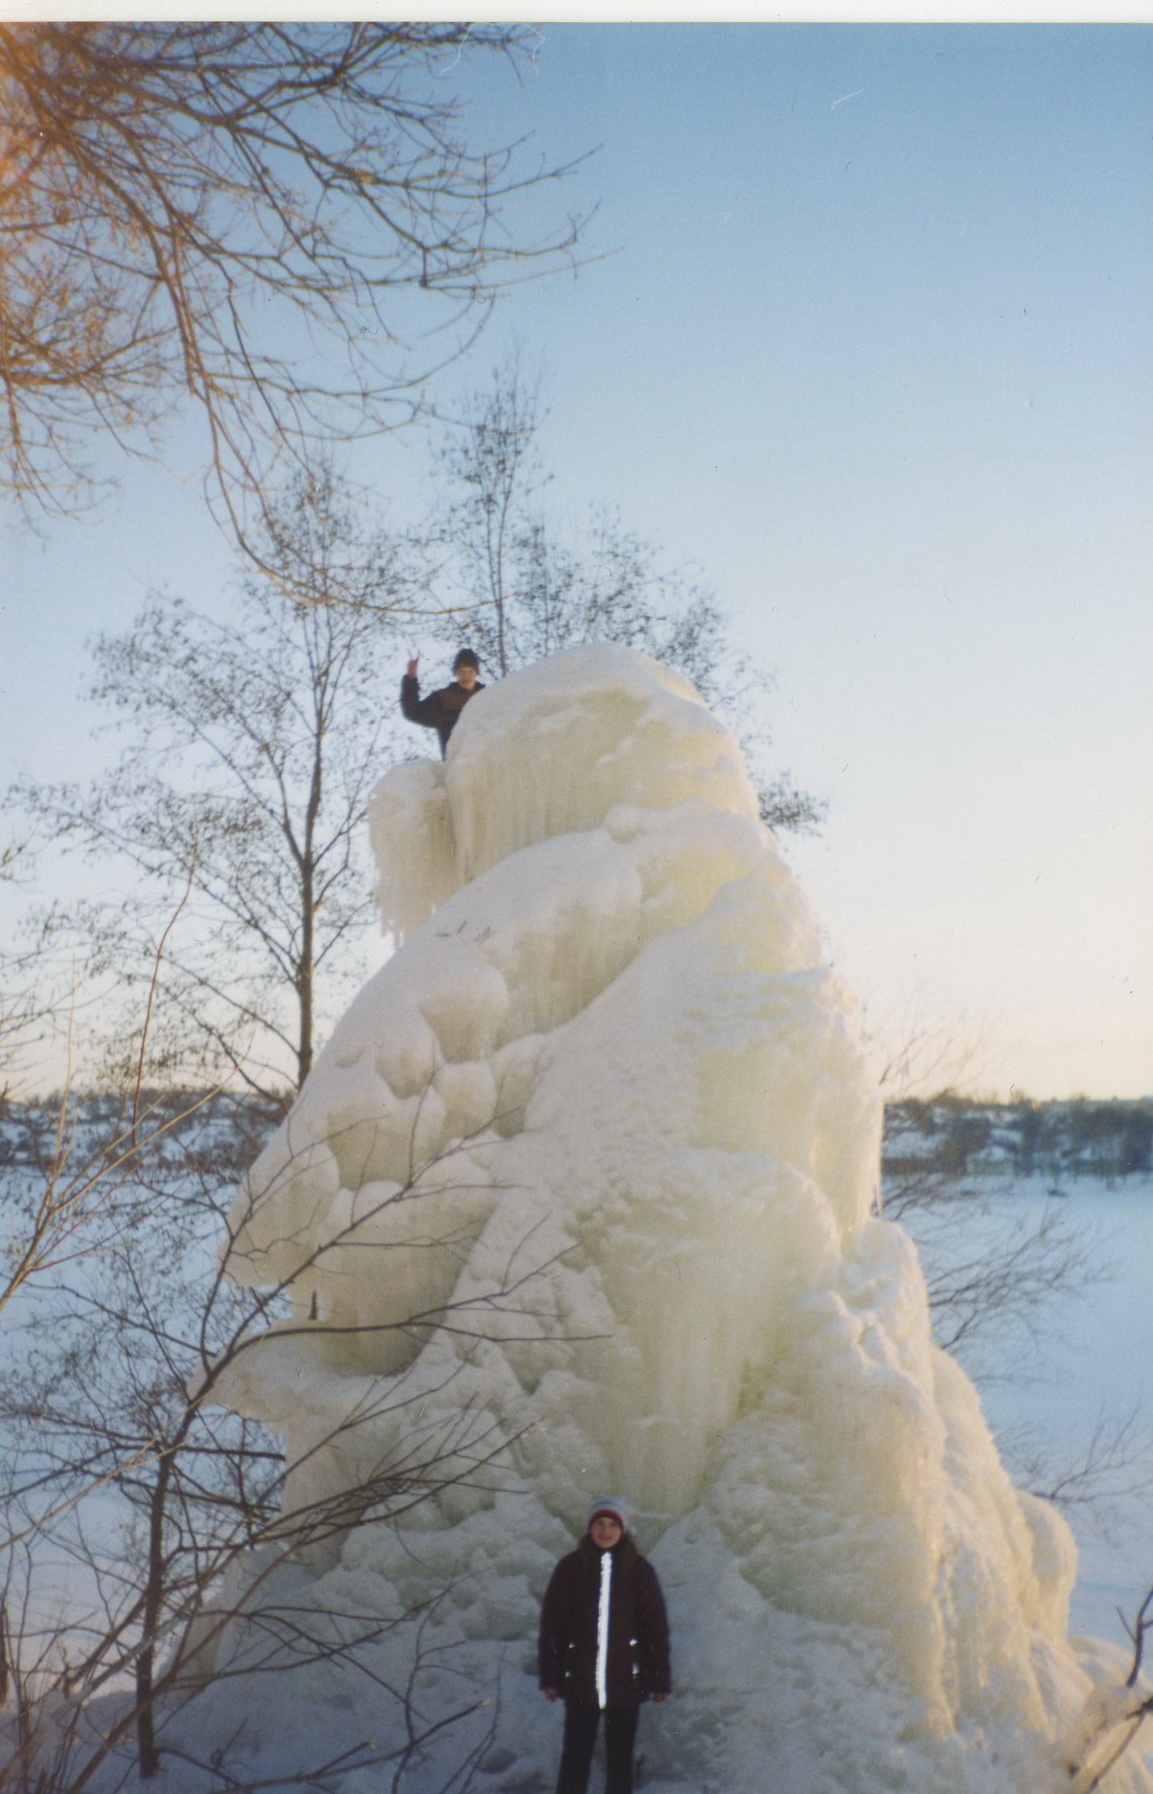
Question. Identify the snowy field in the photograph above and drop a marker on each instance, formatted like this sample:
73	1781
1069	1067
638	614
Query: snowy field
1093	1369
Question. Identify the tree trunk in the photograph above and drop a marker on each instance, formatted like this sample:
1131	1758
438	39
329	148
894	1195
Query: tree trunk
147	1755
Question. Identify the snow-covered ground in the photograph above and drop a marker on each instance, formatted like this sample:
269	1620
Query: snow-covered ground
1091	1372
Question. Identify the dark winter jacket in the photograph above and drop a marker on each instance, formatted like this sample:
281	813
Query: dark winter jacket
636	1663
439	710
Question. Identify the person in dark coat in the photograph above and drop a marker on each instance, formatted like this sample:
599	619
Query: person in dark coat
441	709
604	1647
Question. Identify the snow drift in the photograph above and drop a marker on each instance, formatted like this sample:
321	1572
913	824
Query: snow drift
591	1167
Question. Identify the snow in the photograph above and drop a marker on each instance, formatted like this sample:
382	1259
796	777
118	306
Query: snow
582	1191
1092	1376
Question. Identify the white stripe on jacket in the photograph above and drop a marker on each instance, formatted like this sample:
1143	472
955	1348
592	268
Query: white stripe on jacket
603	1628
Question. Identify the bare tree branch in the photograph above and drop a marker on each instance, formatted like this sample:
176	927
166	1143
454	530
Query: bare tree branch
240	800
280	223
522	593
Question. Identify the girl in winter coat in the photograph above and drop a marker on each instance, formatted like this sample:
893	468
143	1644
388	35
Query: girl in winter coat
604	1647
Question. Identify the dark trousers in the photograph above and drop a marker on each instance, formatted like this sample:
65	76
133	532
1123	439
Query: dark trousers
580	1731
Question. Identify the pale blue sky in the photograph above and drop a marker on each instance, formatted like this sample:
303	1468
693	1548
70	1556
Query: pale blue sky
874	356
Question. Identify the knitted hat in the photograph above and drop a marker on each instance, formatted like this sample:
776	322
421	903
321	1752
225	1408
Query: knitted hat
466	658
616	1510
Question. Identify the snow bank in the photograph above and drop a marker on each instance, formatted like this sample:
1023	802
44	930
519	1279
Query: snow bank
580	1195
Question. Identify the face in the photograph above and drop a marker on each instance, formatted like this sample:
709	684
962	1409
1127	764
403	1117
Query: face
605	1532
466	676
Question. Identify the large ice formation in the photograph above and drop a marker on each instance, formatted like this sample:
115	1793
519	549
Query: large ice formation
584	1186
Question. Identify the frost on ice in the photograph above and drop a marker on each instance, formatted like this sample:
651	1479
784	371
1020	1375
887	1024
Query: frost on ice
597	1155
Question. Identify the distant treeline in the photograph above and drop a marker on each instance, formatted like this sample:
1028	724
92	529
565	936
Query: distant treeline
1074	1138
948	1134
220	1132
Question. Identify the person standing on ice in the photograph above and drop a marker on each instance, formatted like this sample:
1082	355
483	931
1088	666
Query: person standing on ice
441	709
604	1647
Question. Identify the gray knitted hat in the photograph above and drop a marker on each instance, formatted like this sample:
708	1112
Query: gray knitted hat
608	1504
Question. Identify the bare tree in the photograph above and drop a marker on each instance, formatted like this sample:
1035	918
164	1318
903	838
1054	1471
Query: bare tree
993	1276
24	1004
65	1166
125	1395
239	800
1112	1717
63	1191
1002	1268
522	593
267	220
493	462
996	1276
1106	1472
